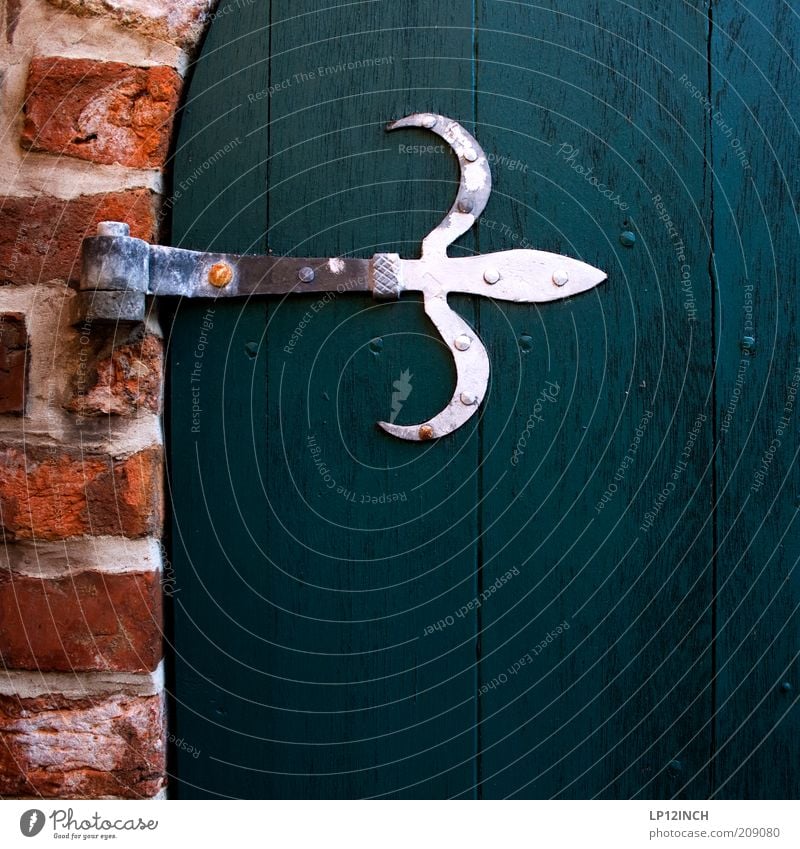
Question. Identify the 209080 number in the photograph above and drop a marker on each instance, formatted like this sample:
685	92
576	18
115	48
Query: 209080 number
758	832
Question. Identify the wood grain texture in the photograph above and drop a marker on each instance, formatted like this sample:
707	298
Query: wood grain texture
217	400
756	184
303	649
638	602
617	705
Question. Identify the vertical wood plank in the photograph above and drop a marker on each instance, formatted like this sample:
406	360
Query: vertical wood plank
756	184
364	702
312	670
217	413
596	663
307	664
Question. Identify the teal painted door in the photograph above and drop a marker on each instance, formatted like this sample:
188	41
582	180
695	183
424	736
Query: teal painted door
590	589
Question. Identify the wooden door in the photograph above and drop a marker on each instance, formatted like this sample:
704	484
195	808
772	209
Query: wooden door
579	593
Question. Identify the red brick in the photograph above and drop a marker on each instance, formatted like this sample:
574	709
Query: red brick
13	362
50	494
123	382
105	112
57	747
40	237
87	621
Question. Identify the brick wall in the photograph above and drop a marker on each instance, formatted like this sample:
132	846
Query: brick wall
87	103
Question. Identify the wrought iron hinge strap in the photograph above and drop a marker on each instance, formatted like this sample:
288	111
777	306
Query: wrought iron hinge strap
120	271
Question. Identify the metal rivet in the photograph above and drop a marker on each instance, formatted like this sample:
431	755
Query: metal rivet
465	205
470	155
220	274
251	349
468	399
306	274
425	432
376	346
429	121
526	343
675	766
491	275
748	344
462	342
786	687
627	238
560	277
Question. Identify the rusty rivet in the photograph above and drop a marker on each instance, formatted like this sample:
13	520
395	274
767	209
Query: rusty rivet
425	432
220	274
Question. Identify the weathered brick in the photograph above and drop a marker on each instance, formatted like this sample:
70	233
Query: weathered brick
54	746
55	493
85	621
122	382
13	362
179	22
105	112
40	237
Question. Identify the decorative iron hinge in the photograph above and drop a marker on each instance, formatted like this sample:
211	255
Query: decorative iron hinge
119	271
